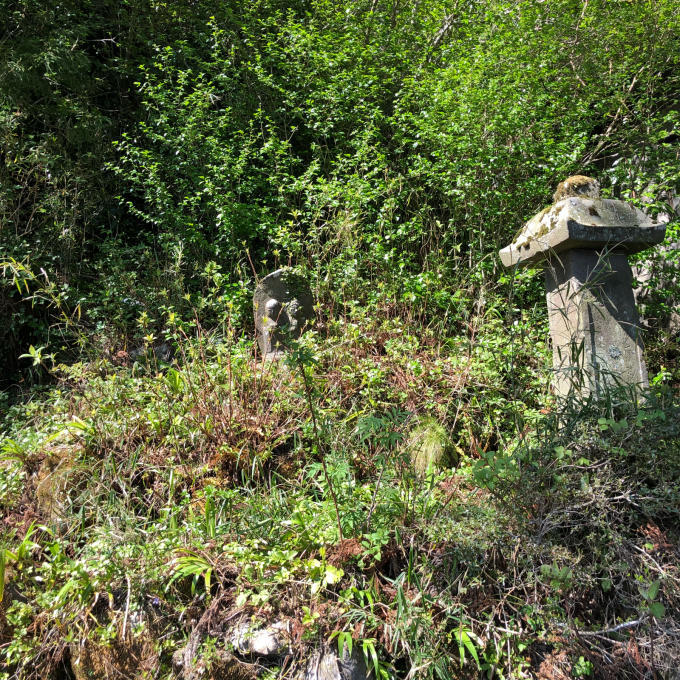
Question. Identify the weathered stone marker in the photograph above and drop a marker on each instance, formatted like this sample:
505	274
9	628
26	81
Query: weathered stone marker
582	242
283	305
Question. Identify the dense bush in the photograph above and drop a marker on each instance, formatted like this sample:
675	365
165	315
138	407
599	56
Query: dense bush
365	142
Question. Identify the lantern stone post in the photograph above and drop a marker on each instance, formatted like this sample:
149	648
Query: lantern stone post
582	242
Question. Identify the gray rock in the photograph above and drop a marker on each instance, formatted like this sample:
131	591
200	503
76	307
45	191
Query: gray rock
329	666
273	640
577	185
575	222
594	324
162	352
283	307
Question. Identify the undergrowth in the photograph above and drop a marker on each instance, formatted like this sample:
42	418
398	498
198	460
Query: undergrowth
151	505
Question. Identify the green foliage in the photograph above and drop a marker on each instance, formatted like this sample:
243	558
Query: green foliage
155	159
298	130
382	144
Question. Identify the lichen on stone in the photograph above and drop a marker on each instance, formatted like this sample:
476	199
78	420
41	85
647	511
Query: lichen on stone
576	186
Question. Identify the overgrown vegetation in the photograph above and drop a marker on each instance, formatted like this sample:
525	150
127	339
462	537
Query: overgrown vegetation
403	483
148	499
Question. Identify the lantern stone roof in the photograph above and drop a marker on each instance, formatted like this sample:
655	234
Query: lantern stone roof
582	222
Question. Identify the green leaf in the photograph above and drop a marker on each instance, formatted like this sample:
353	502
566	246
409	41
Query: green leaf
3	554
174	381
371	655
464	638
657	610
333	574
345	641
653	590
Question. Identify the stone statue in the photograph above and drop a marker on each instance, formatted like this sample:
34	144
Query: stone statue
283	307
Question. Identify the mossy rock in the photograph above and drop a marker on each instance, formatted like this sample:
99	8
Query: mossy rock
577	185
431	447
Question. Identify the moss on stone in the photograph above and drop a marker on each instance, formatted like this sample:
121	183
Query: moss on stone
577	185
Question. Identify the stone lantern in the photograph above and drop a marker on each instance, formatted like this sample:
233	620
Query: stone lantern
582	242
